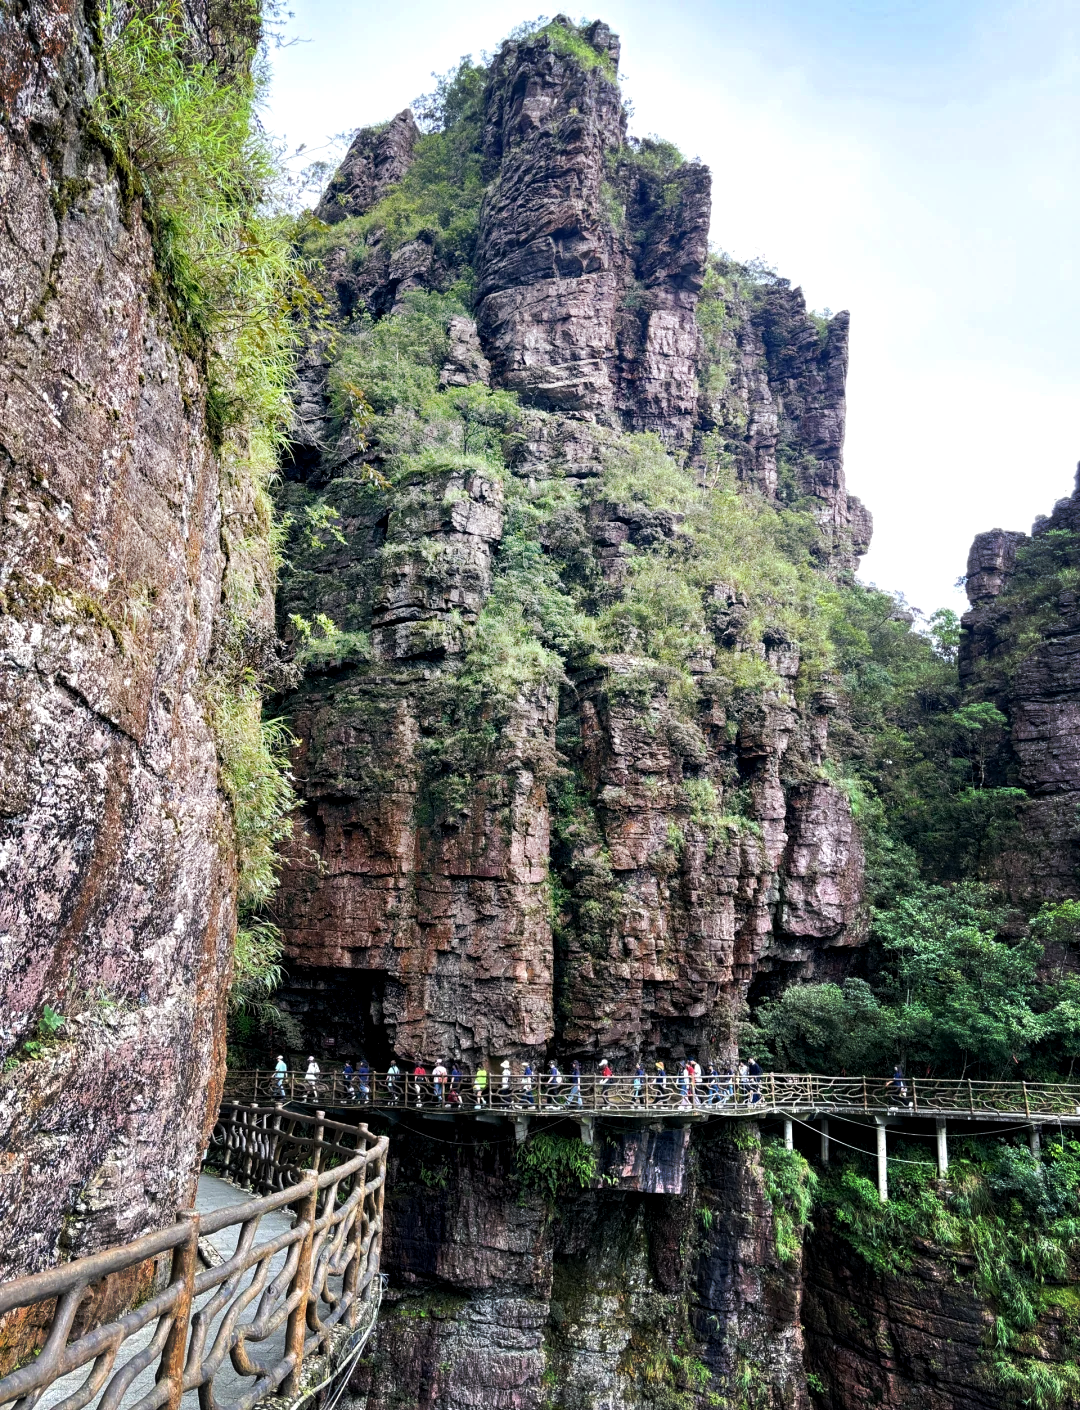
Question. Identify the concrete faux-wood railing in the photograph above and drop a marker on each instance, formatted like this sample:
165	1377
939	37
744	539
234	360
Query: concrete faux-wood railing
668	1099
314	1286
773	1093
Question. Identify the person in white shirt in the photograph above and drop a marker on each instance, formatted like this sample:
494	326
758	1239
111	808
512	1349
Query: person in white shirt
311	1077
439	1075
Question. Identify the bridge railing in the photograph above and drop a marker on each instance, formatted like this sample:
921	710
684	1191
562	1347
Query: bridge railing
629	1093
273	1302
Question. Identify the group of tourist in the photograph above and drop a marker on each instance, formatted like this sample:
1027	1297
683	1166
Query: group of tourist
686	1086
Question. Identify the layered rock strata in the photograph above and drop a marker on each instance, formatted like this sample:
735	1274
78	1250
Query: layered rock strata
1025	657
117	899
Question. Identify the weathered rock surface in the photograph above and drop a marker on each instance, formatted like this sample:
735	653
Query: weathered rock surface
1039	691
117	898
377	158
504	1299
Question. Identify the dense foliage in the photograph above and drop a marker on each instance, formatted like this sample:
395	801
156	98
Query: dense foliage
1011	1215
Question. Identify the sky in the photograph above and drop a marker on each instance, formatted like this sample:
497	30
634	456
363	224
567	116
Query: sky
914	161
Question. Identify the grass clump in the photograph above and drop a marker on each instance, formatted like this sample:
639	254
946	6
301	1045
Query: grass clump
791	1185
555	1165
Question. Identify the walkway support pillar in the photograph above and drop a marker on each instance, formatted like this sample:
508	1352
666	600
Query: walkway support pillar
521	1129
942	1149
789	1135
588	1129
882	1163
824	1140
1033	1140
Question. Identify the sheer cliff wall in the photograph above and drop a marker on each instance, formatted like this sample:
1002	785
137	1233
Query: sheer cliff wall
562	735
117	900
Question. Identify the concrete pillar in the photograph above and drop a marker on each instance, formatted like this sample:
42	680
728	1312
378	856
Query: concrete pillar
1033	1140
882	1163
824	1140
789	1135
942	1149
521	1129
588	1129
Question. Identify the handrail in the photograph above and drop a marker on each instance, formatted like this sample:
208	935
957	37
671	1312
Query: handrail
630	1094
327	1283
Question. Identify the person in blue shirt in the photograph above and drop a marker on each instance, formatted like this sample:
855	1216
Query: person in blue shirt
639	1082
364	1074
348	1074
281	1069
574	1099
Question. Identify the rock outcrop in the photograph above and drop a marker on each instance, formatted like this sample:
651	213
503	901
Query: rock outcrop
118	892
1021	649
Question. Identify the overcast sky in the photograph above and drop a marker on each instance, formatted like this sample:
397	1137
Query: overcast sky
914	161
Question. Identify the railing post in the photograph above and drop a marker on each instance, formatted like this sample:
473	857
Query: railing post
772	1101
914	1097
173	1357
1027	1106
297	1325
971	1098
865	1096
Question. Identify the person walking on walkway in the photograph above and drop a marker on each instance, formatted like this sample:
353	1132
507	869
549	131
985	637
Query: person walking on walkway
606	1075
311	1079
363	1073
753	1071
639	1083
505	1074
281	1071
727	1085
660	1082
393	1072
439	1075
554	1083
479	1085
574	1099
741	1082
455	1081
348	1077
898	1086
527	1085
712	1078
684	1086
419	1075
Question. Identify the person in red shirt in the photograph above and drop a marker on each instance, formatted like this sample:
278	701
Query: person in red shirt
606	1075
419	1073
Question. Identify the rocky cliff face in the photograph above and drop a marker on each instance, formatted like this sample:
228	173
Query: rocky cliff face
117	901
1021	649
544	814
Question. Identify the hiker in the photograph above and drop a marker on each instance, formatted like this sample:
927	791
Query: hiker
439	1075
311	1078
554	1083
606	1075
574	1099
419	1075
639	1083
727	1085
898	1086
692	1077
348	1075
393	1072
363	1073
281	1069
753	1071
684	1086
479	1085
504	1083
660	1081
741	1086
527	1085
453	1099
455	1081
712	1078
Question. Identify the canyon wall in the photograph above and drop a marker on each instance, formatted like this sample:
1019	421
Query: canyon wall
117	902
529	827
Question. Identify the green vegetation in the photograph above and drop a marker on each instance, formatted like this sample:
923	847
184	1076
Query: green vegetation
1009	1215
555	1165
185	138
791	1186
568	41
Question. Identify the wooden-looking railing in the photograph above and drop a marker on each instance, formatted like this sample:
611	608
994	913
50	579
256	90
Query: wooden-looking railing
630	1094
324	1287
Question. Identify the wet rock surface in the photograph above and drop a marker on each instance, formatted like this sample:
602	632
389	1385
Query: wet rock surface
117	896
